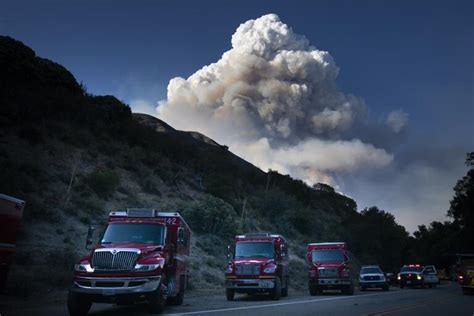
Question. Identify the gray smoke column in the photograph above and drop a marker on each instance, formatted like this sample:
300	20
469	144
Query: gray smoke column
273	100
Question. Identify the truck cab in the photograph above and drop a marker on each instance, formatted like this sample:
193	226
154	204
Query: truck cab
329	267
466	273
141	256
11	212
259	264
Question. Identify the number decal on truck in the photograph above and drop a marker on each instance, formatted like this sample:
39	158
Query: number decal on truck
171	221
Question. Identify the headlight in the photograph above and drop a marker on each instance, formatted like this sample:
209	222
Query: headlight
146	267
398	277
229	269
418	277
361	278
270	269
83	267
383	278
345	273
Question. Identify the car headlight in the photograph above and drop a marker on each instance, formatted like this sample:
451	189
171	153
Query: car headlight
418	277
146	267
229	269
398	277
83	267
361	278
270	269
383	278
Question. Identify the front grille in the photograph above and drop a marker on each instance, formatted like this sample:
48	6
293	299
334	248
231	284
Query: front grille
327	272
371	278
114	259
247	270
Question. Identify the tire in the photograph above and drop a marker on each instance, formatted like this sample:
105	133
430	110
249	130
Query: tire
156	301
348	289
275	294
78	304
229	294
178	299
313	290
284	291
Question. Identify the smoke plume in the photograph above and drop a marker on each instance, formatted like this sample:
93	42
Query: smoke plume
273	99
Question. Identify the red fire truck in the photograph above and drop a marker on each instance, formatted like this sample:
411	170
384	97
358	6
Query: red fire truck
329	267
142	255
260	265
11	211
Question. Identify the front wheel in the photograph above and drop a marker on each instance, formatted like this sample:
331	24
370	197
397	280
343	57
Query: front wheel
284	291
313	289
229	294
179	298
275	294
78	304
156	302
348	289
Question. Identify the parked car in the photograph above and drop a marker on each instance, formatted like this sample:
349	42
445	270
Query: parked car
372	277
411	276
430	276
391	278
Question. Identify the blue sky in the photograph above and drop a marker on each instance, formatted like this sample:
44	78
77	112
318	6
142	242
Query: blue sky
416	56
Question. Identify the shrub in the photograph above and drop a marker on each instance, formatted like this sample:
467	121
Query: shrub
211	215
103	182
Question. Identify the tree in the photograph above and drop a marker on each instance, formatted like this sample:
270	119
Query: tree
462	205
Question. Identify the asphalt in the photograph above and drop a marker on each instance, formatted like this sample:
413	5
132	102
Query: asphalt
446	299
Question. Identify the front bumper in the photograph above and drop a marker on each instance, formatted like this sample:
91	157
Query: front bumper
331	281
115	286
411	282
373	283
256	284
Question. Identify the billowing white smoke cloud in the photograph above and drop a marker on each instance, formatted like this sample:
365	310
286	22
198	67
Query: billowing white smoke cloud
397	120
273	99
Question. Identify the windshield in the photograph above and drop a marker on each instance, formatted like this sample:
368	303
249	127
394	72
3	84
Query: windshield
254	249
370	270
134	232
328	255
411	269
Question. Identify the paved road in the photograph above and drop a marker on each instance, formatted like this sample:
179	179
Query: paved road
443	300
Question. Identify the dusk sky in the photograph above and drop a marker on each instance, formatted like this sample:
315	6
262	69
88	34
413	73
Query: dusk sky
391	104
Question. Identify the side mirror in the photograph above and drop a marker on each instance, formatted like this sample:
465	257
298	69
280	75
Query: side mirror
229	253
90	240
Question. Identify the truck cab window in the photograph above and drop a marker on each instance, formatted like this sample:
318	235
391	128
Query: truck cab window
254	249
134	232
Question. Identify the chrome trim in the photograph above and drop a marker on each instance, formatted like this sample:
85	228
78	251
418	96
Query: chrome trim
114	259
250	283
150	284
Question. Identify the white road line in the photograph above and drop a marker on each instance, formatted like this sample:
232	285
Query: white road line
283	304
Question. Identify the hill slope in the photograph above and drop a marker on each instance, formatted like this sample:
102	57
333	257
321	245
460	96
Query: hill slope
73	157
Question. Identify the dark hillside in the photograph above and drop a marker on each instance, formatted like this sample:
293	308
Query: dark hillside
73	156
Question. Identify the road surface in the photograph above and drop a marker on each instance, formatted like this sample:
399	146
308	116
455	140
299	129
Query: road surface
443	300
